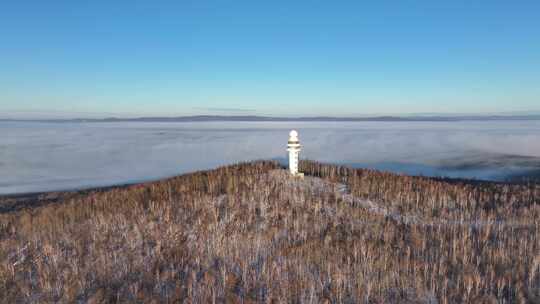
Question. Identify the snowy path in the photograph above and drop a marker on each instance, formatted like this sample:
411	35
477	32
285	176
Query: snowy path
345	195
318	185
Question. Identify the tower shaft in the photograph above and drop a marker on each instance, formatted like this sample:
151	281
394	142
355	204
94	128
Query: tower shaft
294	148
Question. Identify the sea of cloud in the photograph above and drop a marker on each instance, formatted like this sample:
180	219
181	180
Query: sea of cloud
57	156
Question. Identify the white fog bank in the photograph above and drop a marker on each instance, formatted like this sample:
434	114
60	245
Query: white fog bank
58	156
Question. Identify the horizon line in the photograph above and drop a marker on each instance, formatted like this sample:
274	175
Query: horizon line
270	118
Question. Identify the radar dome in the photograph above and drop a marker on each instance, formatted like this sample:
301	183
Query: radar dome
293	135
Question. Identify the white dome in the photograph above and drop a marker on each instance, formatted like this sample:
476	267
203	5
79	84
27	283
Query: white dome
293	135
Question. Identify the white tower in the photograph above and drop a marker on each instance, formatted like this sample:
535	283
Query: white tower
294	150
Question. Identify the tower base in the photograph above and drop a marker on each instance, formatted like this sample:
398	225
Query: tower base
299	175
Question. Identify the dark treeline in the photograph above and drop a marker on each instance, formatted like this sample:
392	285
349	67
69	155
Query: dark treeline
251	233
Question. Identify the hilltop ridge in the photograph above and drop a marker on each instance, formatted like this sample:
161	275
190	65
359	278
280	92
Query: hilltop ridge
250	232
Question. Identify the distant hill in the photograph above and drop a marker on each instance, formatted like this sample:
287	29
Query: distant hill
252	233
253	118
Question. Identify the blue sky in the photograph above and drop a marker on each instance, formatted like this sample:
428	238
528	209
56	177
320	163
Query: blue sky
342	58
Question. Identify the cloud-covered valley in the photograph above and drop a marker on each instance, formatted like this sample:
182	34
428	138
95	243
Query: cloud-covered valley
57	156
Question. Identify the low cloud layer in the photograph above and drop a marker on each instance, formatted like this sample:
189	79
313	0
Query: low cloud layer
55	156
